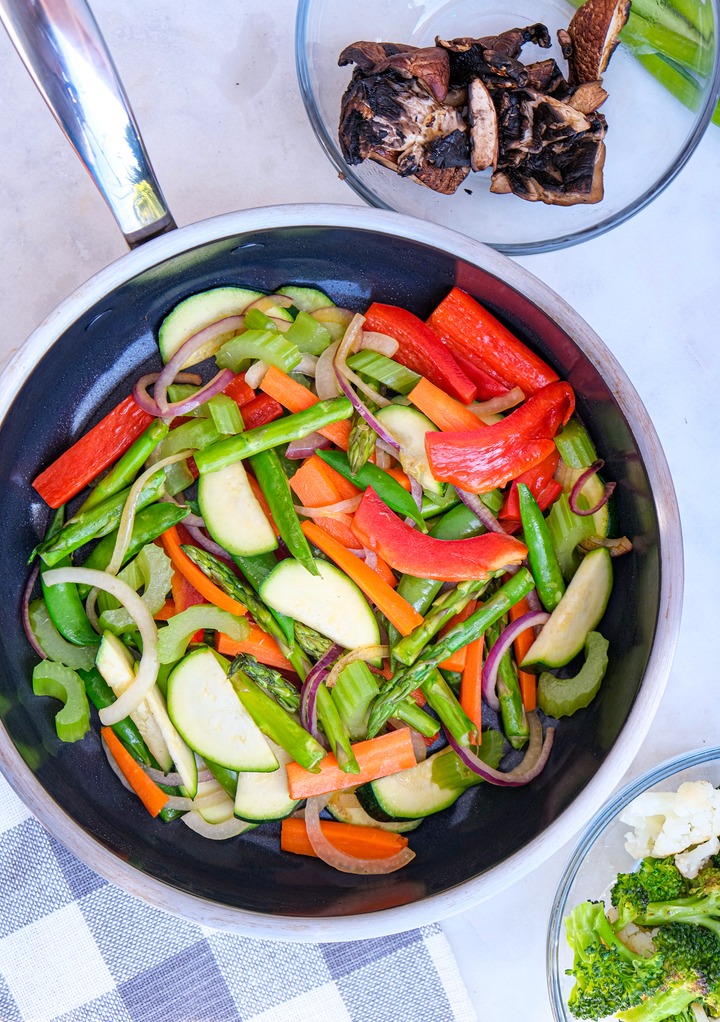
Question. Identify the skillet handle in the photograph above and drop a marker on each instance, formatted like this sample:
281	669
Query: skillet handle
61	46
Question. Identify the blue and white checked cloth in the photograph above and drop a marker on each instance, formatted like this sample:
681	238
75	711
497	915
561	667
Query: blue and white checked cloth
75	948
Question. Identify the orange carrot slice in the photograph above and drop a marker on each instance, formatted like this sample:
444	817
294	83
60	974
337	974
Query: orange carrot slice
296	398
362	842
447	413
377	757
151	796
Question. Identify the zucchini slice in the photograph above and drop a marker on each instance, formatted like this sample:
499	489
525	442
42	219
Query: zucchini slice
329	602
232	512
204	708
578	613
261	797
345	807
409	427
199	311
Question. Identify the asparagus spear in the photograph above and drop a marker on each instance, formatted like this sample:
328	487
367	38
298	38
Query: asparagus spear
445	607
269	680
312	642
399	687
361	443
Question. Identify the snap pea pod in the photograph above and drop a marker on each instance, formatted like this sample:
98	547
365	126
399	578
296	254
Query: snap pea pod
388	489
63	601
541	553
127	467
280	431
149	523
101	695
405	682
273	482
512	711
96	522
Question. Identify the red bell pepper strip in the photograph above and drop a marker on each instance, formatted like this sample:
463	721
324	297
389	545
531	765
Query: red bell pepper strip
261	410
464	325
240	391
92	453
413	553
479	460
488	384
541	484
420	350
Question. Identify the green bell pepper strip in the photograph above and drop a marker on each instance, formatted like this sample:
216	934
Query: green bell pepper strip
561	697
512	711
72	722
63	602
127	467
276	723
53	645
273	482
388	489
96	522
406	681
101	695
543	561
280	431
149	523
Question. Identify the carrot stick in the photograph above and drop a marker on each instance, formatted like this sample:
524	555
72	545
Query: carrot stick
343	487
397	610
528	682
312	487
377	757
471	681
456	661
362	842
151	796
213	594
296	398
447	413
259	644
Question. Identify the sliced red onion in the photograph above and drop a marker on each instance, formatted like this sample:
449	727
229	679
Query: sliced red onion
503	644
367	415
205	542
149	404
498	404
483	513
309	690
332	855
182	355
532	763
371	558
190	519
297	450
215	831
575	492
25	605
533	600
269	302
416	492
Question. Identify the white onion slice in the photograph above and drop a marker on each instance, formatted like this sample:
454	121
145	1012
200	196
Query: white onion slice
341	507
215	831
256	374
380	343
501	403
328	852
361	653
326	384
148	669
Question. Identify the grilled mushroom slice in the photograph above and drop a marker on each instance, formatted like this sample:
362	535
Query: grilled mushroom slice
593	33
483	127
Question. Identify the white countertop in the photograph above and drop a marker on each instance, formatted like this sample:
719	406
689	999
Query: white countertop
213	87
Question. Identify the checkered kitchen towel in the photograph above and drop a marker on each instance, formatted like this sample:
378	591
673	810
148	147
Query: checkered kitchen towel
74	948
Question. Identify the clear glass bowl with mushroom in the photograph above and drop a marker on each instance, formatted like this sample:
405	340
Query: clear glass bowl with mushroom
528	127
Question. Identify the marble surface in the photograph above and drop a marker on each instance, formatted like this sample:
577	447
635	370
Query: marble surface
213	87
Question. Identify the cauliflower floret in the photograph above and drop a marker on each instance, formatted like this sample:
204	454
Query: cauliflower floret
685	824
638	940
694	859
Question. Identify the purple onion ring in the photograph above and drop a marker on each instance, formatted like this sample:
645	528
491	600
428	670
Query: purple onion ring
25	612
503	644
532	763
484	514
309	690
608	490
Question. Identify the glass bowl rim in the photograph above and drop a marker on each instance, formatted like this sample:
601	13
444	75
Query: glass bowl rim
328	144
602	819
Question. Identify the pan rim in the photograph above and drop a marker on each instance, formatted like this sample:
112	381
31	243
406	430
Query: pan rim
617	762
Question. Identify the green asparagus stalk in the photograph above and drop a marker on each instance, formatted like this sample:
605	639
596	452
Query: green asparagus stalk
399	687
444	702
276	723
361	443
280	431
444	609
310	641
269	680
512	711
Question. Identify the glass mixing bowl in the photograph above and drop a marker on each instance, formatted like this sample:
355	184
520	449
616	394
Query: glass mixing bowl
651	133
601	855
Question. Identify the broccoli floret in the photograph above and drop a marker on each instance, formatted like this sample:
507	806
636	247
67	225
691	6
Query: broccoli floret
609	977
691	965
657	880
700	906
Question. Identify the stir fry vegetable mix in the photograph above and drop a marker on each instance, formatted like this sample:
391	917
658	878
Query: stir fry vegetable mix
329	578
